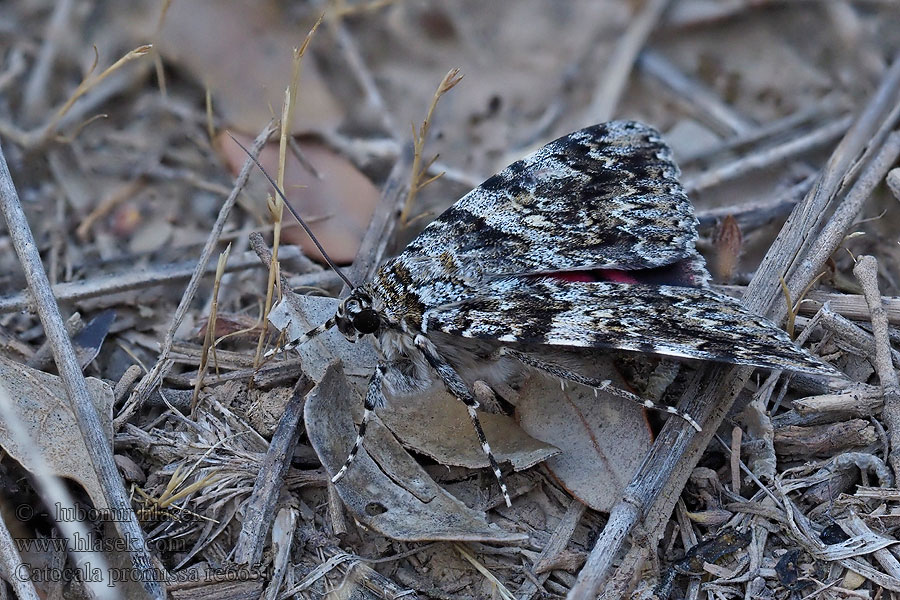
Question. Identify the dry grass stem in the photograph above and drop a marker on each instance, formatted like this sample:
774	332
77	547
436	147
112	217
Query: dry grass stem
209	338
276	203
416	182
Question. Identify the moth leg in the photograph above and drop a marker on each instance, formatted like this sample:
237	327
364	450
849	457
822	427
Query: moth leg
458	388
314	332
593	382
374	398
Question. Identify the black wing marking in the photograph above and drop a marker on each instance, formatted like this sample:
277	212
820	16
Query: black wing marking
668	320
603	197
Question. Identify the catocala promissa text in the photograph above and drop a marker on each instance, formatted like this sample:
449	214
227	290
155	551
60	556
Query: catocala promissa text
584	246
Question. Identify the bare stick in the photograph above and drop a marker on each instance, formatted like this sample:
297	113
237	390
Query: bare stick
866	272
827	109
840	222
16	62
754	213
688	15
611	85
852	334
384	221
359	70
73	379
768	157
558	541
852	306
34	100
116	283
259	510
703	103
152	378
869	129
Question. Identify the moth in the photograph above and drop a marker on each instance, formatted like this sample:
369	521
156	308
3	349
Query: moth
587	245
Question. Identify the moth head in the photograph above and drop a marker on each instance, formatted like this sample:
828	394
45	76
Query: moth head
355	316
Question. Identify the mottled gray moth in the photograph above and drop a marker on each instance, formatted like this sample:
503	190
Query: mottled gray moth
586	245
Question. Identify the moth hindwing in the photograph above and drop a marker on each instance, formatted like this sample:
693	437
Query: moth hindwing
586	245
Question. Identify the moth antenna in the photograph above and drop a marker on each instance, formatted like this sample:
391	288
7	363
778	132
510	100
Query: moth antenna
297	216
316	331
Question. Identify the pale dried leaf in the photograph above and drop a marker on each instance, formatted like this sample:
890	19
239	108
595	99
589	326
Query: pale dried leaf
44	409
386	489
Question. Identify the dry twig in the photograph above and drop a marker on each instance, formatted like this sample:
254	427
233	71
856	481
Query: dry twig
866	271
611	84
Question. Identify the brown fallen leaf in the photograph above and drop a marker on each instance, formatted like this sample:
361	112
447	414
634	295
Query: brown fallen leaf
337	207
242	50
603	439
44	409
438	425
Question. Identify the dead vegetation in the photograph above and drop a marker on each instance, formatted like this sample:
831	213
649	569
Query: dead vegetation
123	186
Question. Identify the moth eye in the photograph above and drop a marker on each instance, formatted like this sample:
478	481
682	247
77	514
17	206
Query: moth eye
366	321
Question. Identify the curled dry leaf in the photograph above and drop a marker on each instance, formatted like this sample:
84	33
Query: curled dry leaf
337	207
44	410
728	244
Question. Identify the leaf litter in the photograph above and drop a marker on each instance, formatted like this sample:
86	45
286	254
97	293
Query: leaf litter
140	189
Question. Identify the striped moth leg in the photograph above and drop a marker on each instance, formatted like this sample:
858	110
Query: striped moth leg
374	398
456	386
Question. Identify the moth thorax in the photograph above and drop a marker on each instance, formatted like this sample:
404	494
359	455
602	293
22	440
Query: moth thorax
355	316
